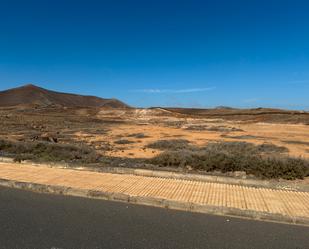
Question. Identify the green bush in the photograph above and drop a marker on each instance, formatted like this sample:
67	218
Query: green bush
48	152
258	160
173	144
247	148
123	141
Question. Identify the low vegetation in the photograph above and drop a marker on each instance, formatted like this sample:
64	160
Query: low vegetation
172	144
48	152
138	135
242	136
219	128
296	142
265	161
124	141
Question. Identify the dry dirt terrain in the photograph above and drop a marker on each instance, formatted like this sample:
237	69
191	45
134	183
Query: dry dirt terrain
42	125
156	124
126	132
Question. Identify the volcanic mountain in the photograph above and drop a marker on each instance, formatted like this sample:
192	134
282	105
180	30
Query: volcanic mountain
34	95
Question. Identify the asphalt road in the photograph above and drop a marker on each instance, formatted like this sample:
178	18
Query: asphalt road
33	221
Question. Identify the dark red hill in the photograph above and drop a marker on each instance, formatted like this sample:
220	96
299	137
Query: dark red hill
34	95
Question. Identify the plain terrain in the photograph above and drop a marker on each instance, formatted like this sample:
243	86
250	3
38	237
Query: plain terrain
47	126
125	137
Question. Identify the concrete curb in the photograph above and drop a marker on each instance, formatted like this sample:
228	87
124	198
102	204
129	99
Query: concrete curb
156	202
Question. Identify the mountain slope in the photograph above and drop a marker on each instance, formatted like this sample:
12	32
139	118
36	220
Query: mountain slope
34	95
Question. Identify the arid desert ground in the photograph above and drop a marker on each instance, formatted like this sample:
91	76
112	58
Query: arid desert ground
37	124
122	135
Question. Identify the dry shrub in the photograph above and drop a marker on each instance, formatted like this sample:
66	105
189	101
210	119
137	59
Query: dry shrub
296	142
123	141
172	144
138	135
264	161
48	152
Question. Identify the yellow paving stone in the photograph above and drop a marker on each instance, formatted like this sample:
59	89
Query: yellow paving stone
274	204
289	203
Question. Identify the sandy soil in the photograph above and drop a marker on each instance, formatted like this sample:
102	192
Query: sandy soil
102	128
295	137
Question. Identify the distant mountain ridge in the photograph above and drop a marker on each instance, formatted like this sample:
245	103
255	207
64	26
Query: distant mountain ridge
225	111
33	95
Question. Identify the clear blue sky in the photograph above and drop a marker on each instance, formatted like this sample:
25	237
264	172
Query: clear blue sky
161	53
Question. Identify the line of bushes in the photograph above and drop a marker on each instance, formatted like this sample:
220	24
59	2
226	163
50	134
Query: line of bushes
48	152
172	144
264	161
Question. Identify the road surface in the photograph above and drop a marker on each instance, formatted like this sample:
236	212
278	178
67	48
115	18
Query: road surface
33	221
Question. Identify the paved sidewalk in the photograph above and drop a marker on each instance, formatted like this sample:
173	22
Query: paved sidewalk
172	193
